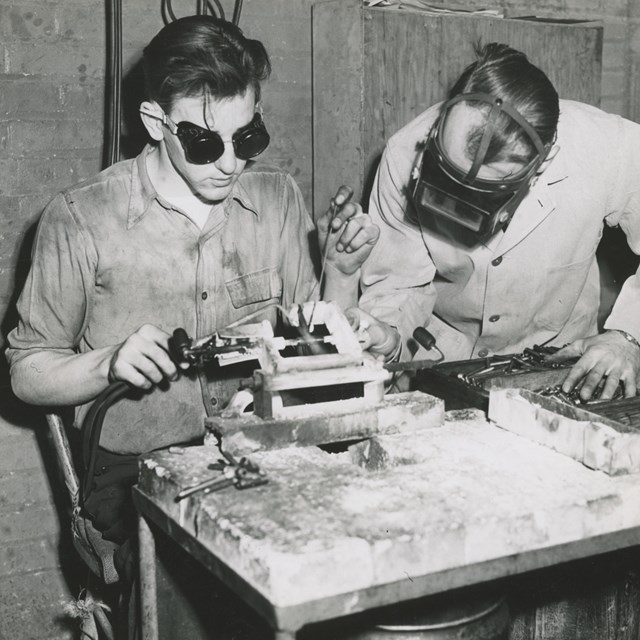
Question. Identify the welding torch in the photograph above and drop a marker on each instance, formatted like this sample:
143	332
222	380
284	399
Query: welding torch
196	353
428	342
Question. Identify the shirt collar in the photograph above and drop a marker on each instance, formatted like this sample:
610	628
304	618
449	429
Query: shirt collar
143	193
241	195
557	171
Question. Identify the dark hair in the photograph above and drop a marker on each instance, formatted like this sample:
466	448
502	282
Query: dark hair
506	73
202	55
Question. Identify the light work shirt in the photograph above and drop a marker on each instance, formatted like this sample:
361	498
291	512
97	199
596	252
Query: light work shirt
111	255
535	283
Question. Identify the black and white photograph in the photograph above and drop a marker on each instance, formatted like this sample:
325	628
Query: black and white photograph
320	320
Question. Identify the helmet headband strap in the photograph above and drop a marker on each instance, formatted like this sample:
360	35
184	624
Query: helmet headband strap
497	107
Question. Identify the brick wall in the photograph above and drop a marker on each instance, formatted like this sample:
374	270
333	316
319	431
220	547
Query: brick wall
51	83
52	64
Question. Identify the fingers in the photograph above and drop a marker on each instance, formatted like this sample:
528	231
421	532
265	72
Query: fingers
599	377
362	324
599	383
610	387
592	381
343	195
339	211
353	316
345	226
626	377
360	321
573	350
630	387
343	214
358	232
143	358
374	335
355	227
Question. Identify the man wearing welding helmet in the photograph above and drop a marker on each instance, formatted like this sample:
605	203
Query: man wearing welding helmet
491	207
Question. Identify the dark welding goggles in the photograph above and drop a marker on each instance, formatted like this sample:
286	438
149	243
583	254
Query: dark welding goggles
203	146
453	198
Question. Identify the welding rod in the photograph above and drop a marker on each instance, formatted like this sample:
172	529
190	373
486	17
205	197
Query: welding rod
334	207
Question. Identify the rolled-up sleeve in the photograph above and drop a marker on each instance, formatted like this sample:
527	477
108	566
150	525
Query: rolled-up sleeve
53	305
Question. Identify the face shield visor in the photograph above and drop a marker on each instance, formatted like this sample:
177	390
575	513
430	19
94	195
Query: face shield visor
455	199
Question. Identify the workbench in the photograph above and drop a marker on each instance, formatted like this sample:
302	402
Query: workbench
392	519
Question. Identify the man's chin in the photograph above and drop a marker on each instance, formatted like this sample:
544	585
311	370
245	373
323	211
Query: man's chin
214	194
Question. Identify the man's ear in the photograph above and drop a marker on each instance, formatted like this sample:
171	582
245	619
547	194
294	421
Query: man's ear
151	115
553	152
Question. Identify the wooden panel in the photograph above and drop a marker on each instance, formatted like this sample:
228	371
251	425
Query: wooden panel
338	70
591	599
407	61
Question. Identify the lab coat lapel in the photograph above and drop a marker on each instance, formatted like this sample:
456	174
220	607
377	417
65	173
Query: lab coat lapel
534	209
536	206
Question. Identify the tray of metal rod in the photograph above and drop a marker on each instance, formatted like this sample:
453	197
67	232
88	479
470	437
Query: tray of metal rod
601	434
464	384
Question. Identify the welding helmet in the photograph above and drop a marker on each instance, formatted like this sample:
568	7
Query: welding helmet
452	198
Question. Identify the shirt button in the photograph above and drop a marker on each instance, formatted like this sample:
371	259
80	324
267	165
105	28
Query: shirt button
483	353
497	261
494	318
205	295
214	401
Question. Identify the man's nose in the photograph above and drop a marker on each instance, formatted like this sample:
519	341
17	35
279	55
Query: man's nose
227	162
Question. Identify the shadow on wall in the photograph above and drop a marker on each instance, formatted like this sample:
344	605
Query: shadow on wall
133	139
17	413
617	262
11	409
134	136
369	179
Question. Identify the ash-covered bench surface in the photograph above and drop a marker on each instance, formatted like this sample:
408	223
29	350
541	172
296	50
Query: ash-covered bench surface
393	518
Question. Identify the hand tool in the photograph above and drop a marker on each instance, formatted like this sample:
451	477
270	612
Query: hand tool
426	340
242	474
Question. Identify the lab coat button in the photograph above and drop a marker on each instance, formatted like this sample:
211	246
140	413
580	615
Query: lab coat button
205	295
483	353
497	261
494	318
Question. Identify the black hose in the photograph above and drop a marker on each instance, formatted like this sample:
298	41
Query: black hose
92	429
167	12
237	10
111	151
214	7
220	9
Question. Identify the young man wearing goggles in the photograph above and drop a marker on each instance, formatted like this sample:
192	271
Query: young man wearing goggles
181	236
491	207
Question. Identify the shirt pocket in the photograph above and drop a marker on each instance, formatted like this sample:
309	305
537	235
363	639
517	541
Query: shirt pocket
563	287
251	288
